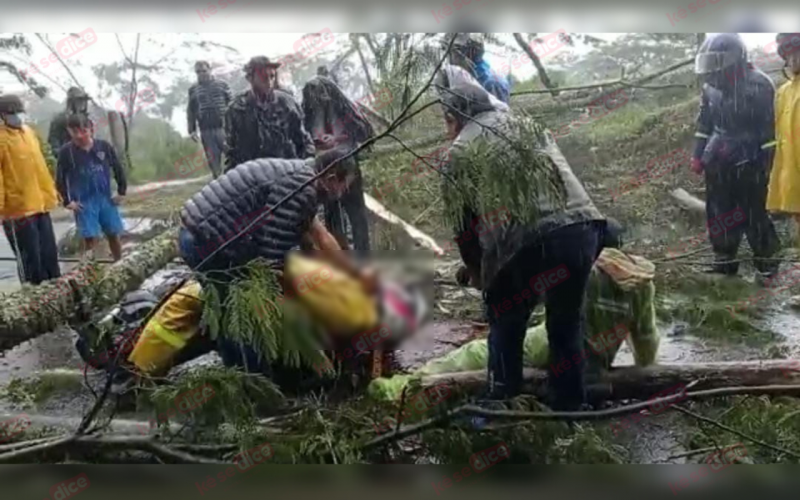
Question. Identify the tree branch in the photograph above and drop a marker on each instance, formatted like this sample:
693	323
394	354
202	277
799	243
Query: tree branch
538	63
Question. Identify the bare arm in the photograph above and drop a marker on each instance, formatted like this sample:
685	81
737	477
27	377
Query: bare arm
332	252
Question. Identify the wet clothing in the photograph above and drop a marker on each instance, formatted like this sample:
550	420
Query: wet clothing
269	129
496	84
735	141
784	187
26	185
737	125
329	112
208	102
34	245
230	203
574	248
567	234
739	187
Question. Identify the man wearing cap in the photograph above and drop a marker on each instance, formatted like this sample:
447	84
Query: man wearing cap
77	103
265	121
208	100
27	194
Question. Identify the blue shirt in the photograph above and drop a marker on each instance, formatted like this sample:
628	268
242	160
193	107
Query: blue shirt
84	175
493	83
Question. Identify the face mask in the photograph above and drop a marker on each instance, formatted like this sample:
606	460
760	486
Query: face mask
15	120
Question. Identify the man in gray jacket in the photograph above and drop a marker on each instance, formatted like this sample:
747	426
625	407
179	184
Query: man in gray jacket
208	100
527	231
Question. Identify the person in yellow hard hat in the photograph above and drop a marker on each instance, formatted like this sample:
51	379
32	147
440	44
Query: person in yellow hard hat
784	183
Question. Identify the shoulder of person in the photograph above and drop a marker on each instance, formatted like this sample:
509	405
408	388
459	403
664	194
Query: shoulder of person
102	144
240	100
193	89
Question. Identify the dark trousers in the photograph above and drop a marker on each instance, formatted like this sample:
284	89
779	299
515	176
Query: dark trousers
739	187
214	145
34	244
569	252
351	202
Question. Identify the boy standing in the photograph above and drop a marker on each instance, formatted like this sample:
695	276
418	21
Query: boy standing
84	181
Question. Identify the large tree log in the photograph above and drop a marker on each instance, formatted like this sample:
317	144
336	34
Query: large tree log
35	310
689	202
630	382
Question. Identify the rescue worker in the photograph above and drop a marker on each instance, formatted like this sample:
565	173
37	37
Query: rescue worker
265	121
216	237
77	103
468	53
334	120
784	186
734	145
208	100
551	231
27	195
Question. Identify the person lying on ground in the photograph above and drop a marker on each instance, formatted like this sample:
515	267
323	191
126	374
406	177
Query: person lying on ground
231	222
85	165
620	308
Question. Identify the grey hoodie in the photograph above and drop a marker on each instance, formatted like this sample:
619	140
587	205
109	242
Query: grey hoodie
497	243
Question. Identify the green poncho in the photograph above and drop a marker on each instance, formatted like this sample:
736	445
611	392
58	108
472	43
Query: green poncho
619	298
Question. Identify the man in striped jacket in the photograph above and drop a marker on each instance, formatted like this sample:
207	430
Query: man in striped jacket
208	101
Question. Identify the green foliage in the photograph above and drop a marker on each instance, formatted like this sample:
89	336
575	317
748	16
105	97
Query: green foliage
512	172
772	420
237	399
159	153
255	315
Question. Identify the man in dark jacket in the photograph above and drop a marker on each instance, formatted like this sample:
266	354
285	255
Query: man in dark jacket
231	222
735	140
527	231
334	120
265	122
208	100
77	104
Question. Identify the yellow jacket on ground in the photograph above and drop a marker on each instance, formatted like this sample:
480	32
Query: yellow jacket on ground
169	330
784	183
26	185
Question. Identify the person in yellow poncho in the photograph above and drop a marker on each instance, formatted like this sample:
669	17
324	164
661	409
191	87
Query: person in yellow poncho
784	185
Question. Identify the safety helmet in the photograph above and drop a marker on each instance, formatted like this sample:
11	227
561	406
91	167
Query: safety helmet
720	52
787	43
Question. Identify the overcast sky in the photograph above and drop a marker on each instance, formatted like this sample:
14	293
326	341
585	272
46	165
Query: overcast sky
248	44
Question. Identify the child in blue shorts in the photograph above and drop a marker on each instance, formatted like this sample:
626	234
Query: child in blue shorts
84	182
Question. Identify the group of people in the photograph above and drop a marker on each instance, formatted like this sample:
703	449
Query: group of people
744	147
82	184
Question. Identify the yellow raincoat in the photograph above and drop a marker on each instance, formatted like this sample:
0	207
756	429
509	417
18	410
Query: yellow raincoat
784	183
26	185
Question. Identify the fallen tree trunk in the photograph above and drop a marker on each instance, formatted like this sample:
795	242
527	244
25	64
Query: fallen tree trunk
689	202
418	236
35	310
631	382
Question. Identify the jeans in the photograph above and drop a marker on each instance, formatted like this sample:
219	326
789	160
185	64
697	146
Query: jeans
353	203
34	244
214	145
555	269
